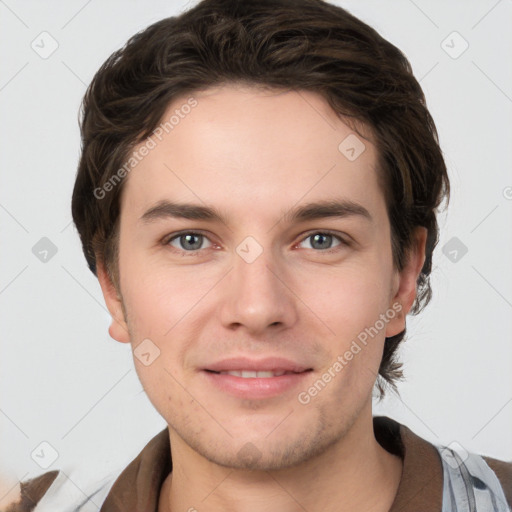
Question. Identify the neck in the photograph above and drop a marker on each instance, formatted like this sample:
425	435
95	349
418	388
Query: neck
355	473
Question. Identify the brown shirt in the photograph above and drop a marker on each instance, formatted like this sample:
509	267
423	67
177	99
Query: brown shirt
137	488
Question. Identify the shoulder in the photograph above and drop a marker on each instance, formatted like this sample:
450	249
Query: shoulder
65	491
477	479
29	492
503	470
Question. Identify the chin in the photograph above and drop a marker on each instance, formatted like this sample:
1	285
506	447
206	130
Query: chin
266	449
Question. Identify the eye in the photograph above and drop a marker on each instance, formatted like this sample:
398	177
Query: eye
323	240
189	241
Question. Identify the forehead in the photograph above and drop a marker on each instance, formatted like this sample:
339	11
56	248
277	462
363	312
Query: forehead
242	147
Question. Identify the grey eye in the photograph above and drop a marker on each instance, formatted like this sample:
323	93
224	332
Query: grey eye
322	241
188	241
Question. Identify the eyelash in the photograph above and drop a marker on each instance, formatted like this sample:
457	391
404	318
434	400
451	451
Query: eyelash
169	238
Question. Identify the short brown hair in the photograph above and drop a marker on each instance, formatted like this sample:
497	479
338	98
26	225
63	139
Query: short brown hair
308	45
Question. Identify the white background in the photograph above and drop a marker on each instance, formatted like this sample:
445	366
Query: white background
64	381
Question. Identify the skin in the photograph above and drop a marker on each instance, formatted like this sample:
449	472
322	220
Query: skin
255	155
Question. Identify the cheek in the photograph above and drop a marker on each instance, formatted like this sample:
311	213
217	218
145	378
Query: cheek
347	298
157	297
164	387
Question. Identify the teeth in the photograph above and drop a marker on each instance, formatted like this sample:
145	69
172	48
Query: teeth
247	374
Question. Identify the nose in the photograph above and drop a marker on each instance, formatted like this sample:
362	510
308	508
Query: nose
258	296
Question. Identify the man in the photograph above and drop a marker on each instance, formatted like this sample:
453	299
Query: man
257	194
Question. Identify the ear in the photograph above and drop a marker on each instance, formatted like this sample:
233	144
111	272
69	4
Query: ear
118	329
406	282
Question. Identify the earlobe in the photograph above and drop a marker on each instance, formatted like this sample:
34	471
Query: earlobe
118	329
407	279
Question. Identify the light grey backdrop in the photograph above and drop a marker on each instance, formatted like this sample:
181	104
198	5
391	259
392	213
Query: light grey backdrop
64	382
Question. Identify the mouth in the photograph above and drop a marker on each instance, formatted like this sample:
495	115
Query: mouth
256	380
246	367
262	374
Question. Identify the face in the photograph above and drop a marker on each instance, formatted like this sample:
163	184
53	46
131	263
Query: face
256	277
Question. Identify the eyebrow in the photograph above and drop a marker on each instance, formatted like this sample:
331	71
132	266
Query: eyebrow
310	211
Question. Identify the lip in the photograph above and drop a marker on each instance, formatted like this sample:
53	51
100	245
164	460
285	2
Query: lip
255	365
256	388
